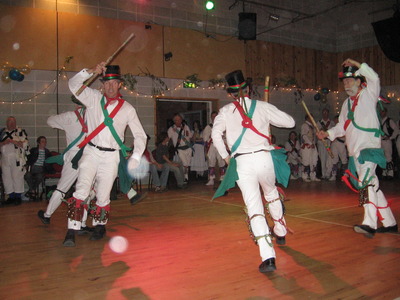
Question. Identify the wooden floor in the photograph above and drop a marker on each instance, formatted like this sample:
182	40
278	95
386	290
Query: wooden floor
182	246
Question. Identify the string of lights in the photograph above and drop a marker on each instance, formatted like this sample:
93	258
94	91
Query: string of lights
181	85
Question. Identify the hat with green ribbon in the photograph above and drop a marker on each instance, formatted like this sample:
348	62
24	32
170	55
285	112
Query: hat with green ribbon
112	72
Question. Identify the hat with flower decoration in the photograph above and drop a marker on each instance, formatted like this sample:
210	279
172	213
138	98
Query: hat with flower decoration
350	72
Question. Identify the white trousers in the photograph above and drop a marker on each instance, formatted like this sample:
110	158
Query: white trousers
326	160
100	167
376	197
339	152
67	179
214	157
255	170
13	176
185	156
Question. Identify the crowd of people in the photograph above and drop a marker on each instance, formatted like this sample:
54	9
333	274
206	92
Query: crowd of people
312	159
236	147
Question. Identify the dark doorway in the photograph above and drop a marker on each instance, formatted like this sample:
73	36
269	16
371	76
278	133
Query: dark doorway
190	109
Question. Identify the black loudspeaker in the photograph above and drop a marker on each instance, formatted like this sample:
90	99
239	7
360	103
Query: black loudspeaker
388	35
247	26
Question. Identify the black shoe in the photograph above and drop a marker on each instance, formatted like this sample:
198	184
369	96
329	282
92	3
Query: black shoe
42	218
280	240
69	240
98	233
387	229
182	187
9	201
85	230
365	229
267	265
137	198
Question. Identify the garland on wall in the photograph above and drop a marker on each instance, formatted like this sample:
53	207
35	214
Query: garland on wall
159	87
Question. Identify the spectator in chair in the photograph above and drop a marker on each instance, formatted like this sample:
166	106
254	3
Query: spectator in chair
37	167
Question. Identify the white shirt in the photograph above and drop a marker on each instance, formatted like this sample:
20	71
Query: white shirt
173	133
207	133
126	116
230	120
365	116
68	122
308	134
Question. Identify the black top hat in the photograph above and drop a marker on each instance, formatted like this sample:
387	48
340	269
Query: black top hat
112	72
235	81
350	72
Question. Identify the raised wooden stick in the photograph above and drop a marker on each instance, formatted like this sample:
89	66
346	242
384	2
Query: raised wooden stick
266	89
316	128
94	76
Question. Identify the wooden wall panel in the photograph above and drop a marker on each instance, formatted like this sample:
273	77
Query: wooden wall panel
309	68
93	39
41	34
387	70
34	32
195	53
300	67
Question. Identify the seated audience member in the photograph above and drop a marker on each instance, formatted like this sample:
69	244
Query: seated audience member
160	181
37	166
162	157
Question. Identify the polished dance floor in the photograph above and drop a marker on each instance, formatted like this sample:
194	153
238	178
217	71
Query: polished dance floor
180	245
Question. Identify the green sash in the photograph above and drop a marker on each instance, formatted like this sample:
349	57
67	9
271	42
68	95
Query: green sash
281	167
109	123
350	115
375	155
59	159
231	175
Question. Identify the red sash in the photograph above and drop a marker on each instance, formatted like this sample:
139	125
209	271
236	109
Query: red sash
102	125
353	107
247	122
80	119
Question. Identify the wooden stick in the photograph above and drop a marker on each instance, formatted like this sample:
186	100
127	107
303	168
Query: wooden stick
316	128
266	89
266	99
94	76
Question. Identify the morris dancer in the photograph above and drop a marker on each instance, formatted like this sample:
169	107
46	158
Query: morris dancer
215	161
391	131
358	121
101	155
180	134
339	151
292	146
326	160
255	158
308	152
73	123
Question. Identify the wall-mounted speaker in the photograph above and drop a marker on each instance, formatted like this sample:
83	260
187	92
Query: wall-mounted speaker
247	26
387	33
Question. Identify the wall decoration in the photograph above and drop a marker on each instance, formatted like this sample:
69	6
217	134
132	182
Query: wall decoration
13	73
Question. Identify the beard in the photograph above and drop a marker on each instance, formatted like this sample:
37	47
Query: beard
352	91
